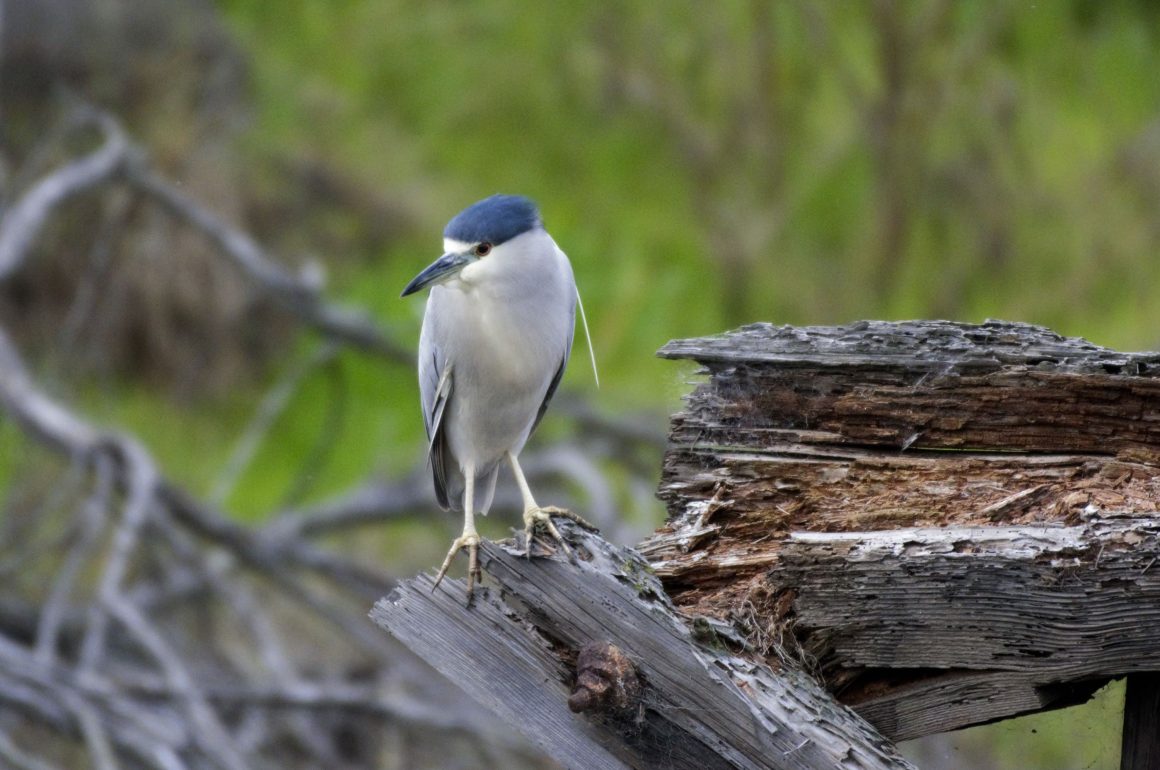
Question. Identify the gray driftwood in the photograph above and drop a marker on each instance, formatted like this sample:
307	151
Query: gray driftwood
696	704
951	523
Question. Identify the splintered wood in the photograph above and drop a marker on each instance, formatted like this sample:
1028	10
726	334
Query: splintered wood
949	523
659	693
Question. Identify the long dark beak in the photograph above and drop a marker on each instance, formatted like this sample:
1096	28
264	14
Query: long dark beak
439	270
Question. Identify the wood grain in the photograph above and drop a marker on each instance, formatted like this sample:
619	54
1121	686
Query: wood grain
702	706
950	523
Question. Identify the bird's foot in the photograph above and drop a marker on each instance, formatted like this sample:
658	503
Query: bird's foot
470	541
534	516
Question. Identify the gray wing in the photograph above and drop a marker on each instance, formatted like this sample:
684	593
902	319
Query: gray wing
559	375
435	391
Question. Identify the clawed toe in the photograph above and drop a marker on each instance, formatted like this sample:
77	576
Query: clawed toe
543	516
575	518
470	541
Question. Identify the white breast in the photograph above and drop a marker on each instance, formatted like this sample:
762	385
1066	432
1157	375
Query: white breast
505	327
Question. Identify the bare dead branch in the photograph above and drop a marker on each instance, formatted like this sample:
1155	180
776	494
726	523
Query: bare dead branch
22	223
378	502
209	733
321	697
241	599
300	294
118	159
140	476
92	516
267	413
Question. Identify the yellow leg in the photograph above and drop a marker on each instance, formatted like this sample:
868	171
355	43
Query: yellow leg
469	539
536	514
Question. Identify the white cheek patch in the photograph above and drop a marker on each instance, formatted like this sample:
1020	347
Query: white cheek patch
452	246
470	273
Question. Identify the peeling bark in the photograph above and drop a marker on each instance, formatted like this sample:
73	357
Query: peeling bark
950	523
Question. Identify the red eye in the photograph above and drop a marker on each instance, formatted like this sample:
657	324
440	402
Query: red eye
482	249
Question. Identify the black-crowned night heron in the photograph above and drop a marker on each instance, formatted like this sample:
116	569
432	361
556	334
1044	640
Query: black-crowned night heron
496	337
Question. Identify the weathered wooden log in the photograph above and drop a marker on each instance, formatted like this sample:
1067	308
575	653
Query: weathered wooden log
951	523
598	636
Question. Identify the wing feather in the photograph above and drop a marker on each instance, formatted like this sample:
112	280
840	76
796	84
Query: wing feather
435	386
559	375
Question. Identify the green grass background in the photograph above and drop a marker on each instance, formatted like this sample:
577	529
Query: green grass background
704	165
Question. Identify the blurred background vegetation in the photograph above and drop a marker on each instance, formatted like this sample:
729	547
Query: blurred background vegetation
704	166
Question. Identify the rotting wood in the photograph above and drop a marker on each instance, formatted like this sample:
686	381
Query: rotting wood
701	705
928	384
952	523
947	524
1025	607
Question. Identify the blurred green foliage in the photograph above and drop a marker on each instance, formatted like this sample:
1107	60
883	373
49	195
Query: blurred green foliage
834	161
789	162
704	165
1084	737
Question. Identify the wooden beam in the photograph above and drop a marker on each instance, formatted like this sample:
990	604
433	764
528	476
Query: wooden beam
974	622
700	705
951	523
922	384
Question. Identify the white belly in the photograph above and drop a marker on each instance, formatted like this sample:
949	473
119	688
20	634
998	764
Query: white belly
502	363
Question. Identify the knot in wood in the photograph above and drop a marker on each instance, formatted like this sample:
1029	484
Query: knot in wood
606	680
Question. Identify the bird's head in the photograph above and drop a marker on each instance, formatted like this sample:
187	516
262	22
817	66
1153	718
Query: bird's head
477	236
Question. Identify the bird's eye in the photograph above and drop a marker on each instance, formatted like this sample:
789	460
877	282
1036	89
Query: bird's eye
482	249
